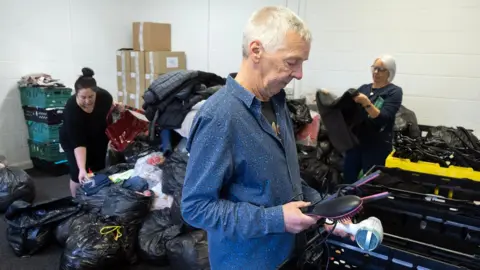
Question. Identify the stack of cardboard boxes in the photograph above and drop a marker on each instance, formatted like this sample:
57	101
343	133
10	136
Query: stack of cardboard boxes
150	57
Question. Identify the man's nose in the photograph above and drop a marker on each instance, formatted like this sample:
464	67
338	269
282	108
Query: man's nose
298	73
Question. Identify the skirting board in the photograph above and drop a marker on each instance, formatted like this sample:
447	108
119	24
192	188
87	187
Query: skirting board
25	165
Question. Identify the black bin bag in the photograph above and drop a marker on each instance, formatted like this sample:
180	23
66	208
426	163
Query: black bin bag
117	168
126	206
15	184
154	233
94	243
31	227
174	170
189	251
62	231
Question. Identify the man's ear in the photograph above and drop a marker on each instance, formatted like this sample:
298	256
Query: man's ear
256	50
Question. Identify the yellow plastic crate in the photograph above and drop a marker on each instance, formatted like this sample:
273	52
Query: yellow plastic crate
431	168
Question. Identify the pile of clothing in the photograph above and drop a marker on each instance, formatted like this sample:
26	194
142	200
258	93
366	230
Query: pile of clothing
172	96
127	213
39	80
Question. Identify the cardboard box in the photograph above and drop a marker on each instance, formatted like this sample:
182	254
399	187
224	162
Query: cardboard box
149	78
132	100
164	62
123	79
149	36
137	62
123	60
135	90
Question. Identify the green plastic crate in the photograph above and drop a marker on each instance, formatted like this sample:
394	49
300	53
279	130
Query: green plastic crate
49	151
44	97
41	132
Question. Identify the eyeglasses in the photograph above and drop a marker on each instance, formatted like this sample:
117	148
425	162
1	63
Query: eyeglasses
378	69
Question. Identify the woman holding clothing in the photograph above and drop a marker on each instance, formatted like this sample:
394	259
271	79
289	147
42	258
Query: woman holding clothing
82	135
381	100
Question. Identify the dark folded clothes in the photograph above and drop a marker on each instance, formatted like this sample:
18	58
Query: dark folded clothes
172	95
136	183
98	182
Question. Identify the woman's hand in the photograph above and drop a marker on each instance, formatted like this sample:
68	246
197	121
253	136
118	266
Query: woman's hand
362	100
339	232
82	176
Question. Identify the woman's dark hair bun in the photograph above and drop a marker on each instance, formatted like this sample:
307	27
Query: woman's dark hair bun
87	72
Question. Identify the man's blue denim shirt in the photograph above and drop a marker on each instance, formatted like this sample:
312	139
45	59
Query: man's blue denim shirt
238	177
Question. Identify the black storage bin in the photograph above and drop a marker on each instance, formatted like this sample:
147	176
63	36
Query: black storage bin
447	225
50	116
51	168
413	213
397	180
395	253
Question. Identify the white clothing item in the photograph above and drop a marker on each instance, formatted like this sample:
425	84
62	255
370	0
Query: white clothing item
184	130
161	200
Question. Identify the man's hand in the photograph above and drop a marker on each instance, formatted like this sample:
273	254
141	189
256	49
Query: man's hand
338	232
295	220
362	100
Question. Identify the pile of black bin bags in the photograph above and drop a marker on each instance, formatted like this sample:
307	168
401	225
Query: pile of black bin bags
15	184
115	225
321	165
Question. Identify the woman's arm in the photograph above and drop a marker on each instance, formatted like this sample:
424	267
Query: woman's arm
391	105
373	111
75	130
387	112
81	157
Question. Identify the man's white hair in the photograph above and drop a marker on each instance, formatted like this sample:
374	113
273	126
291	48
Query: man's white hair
269	25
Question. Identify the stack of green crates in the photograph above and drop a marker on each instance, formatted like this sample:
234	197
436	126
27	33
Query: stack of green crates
43	110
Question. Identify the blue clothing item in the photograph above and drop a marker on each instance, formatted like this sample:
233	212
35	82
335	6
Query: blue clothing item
136	184
363	158
98	182
238	177
379	130
166	141
376	135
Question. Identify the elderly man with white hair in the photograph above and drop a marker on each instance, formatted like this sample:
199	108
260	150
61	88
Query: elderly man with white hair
381	101
243	182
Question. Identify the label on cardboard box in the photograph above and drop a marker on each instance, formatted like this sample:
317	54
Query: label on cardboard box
132	96
172	62
120	94
119	74
132	75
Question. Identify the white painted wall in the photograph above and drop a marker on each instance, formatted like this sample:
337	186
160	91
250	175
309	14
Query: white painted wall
435	43
59	37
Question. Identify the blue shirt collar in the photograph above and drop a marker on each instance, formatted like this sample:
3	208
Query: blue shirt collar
246	96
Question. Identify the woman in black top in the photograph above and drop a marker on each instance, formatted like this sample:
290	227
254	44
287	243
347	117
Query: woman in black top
381	101
82	134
